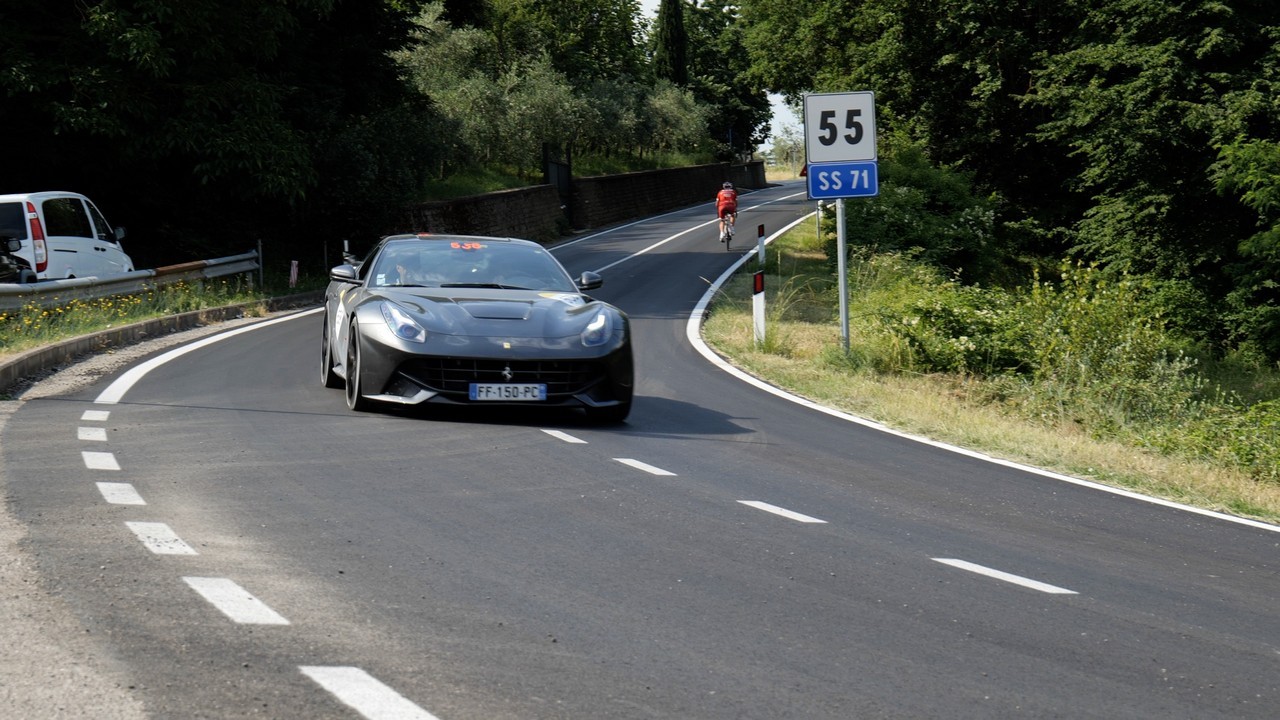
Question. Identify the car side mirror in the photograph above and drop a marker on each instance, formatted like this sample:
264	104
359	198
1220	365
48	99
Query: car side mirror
12	245
119	234
590	281
344	273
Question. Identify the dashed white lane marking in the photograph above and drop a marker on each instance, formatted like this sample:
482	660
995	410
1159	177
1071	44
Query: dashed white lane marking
100	460
95	415
999	575
781	511
565	437
364	693
644	466
234	601
92	434
120	494
160	539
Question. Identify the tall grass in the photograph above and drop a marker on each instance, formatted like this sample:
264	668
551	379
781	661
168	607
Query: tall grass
1079	354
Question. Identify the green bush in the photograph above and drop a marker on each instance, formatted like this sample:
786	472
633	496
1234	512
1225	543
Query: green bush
929	211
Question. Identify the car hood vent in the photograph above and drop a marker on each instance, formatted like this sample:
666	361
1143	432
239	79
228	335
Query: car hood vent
496	309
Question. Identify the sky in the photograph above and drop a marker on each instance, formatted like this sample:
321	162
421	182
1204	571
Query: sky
782	115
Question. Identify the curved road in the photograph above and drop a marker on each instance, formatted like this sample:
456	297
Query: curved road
240	545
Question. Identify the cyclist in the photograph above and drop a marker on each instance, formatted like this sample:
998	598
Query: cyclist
727	209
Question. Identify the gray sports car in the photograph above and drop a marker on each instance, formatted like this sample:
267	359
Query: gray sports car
467	320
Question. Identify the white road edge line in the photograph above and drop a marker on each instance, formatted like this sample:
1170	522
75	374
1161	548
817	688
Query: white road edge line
99	460
234	601
120	494
117	389
781	511
645	467
160	538
999	575
694	335
91	434
565	437
364	693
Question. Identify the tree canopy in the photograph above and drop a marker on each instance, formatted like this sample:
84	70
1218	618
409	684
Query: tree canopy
207	125
1138	134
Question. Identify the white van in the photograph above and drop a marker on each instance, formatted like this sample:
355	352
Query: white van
62	235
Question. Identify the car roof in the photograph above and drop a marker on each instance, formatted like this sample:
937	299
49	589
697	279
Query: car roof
41	195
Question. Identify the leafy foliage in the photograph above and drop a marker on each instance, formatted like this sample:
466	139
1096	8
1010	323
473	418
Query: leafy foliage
207	125
719	76
671	44
509	98
1138	134
928	211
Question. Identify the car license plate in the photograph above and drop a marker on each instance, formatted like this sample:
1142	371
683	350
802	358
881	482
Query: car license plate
508	391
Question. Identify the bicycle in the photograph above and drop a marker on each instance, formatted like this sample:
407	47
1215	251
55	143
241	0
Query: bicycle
727	236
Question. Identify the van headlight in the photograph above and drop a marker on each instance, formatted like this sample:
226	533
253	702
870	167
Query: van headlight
401	324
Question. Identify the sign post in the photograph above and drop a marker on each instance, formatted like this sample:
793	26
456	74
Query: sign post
757	306
840	148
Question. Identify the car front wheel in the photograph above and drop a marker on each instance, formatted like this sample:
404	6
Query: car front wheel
355	400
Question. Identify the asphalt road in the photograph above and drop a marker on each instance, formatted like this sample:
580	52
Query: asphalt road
234	543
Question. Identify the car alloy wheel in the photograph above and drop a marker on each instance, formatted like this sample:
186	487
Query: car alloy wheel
355	398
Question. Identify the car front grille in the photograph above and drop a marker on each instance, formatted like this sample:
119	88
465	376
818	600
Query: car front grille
453	376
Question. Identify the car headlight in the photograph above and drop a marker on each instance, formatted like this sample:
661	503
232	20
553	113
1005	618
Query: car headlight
599	330
401	325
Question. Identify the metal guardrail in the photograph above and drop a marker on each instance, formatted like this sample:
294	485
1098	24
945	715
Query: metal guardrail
50	293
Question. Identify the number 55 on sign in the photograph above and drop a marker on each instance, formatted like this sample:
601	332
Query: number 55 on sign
840	127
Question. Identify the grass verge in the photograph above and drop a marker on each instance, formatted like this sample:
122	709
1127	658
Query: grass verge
33	325
802	352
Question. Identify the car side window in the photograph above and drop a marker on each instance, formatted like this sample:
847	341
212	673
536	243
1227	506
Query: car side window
100	226
13	220
362	270
66	217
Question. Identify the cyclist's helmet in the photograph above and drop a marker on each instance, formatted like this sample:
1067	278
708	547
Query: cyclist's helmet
727	186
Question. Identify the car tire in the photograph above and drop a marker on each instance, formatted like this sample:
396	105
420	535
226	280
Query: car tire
355	400
611	414
330	378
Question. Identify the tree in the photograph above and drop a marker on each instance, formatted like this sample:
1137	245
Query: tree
1161	104
586	39
718	76
172	111
670	44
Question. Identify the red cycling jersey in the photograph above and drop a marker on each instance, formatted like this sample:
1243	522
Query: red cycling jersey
726	202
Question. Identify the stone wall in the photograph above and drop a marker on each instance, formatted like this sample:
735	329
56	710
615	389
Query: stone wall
609	199
533	212
536	212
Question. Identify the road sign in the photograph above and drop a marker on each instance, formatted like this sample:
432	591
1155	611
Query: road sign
839	127
829	181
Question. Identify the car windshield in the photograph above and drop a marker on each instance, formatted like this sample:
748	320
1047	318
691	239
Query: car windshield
469	263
